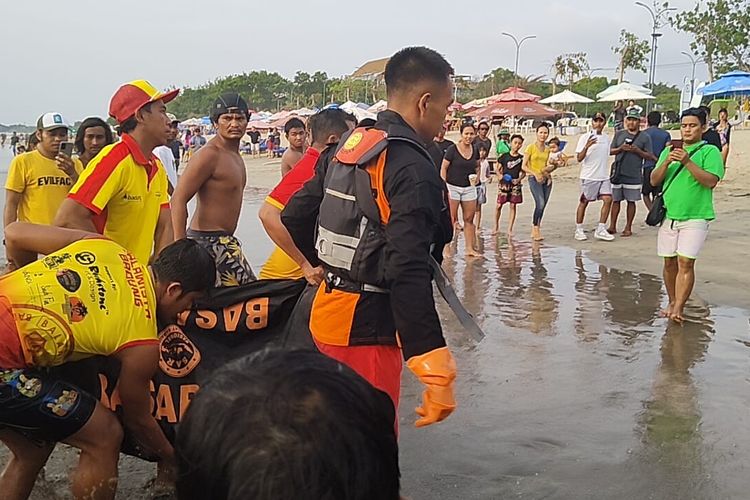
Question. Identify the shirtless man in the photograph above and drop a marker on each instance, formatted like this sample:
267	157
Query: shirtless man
217	174
296	134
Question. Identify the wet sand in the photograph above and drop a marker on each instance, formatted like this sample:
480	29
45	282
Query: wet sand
579	390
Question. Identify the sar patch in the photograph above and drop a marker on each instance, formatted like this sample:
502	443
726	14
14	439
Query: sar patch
69	279
178	356
63	404
75	309
353	140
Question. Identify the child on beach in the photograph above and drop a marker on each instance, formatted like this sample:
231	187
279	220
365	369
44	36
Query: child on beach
510	176
556	157
484	178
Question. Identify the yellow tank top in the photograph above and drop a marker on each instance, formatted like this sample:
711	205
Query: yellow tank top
537	158
92	297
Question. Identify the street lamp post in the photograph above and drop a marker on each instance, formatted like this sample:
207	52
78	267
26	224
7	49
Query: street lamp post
694	62
590	74
518	48
656	17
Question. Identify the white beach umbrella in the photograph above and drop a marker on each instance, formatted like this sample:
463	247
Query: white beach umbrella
623	86
626	95
566	97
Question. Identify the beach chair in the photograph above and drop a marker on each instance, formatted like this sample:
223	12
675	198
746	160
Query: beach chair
525	126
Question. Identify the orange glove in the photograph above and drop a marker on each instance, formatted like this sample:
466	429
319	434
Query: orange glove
437	371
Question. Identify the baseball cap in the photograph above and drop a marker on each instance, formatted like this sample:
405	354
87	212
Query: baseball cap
599	116
132	96
633	113
503	131
229	102
51	121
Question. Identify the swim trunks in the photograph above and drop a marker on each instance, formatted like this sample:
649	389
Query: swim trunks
41	405
232	269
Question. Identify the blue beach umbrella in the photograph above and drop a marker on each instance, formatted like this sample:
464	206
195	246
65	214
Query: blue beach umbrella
735	82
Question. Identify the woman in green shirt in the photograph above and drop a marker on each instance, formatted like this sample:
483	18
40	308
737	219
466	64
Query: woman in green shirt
689	173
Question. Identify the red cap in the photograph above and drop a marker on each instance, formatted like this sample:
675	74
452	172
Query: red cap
132	96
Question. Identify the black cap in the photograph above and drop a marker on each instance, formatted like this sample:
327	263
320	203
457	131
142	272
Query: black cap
230	102
599	116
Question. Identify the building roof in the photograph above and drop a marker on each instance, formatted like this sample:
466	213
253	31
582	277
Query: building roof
371	68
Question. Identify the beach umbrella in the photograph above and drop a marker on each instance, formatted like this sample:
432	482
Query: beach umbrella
626	95
735	82
566	97
379	106
630	87
515	94
519	109
456	106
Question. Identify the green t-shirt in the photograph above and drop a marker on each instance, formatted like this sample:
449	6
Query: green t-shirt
685	197
502	148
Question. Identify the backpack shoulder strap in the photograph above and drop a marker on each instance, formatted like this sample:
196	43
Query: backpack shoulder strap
361	146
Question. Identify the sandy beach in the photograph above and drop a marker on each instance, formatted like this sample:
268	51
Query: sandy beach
580	390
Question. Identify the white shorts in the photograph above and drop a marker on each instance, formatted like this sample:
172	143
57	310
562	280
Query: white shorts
681	238
456	193
255	147
594	190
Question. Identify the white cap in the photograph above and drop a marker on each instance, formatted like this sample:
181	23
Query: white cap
50	121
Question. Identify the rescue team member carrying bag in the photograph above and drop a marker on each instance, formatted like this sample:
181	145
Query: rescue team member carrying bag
379	206
235	322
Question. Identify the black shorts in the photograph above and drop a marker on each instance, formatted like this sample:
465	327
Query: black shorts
41	405
646	188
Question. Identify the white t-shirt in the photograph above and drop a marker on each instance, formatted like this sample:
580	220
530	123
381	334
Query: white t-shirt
167	159
595	167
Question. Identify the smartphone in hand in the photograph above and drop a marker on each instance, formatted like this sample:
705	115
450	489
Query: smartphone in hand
677	144
66	148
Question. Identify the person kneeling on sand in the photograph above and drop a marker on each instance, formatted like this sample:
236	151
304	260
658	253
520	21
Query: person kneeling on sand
689	174
217	174
288	425
68	314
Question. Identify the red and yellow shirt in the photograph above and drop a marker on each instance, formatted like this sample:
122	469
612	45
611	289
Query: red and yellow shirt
279	265
91	298
126	191
41	183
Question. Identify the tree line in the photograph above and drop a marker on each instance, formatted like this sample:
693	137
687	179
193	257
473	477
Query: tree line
720	31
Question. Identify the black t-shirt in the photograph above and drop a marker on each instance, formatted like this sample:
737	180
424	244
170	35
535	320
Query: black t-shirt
460	168
483	143
620	115
437	151
511	165
712	137
254	136
14	139
175	147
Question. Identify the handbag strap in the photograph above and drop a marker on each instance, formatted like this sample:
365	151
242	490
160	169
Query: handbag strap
679	169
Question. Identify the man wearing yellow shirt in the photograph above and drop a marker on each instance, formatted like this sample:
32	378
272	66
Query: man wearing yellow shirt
39	180
123	194
88	296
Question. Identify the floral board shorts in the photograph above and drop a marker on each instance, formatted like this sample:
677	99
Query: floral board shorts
232	268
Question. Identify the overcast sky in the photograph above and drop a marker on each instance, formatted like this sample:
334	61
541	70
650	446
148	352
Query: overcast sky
70	56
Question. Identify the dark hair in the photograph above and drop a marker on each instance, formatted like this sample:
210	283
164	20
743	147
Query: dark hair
323	124
654	119
32	141
293	123
412	65
466	125
366	122
288	424
554	140
187	263
88	123
699	113
129	125
485	124
724	110
541	126
516	136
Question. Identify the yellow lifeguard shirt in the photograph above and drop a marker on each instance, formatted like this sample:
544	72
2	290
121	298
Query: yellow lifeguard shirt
43	186
126	191
92	297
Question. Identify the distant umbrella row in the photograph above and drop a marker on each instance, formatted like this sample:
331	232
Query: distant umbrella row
511	102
